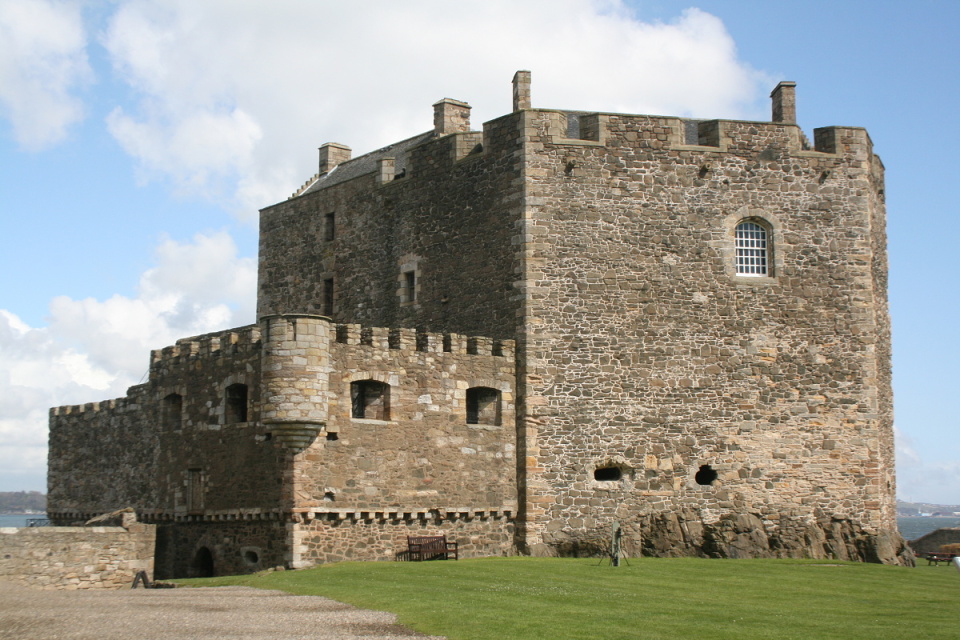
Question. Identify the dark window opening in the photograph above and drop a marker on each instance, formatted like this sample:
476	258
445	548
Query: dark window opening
608	474
370	400
329	497
328	297
483	406
171	412
410	285
332	435
329	227
236	403
705	475
251	557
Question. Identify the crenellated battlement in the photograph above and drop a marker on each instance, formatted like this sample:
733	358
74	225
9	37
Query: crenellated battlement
668	133
297	326
91	409
415	340
222	343
452	140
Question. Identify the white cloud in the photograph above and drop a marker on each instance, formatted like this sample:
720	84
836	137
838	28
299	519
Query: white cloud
93	350
234	97
923	480
42	60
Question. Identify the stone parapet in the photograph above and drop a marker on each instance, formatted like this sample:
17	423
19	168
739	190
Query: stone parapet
219	344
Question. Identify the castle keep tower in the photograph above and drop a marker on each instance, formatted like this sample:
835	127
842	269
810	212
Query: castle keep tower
521	335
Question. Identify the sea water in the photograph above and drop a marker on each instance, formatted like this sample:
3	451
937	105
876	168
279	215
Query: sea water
17	519
912	527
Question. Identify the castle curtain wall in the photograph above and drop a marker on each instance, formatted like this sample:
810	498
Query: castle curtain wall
418	466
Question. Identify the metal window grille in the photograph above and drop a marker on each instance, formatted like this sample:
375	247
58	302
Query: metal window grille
752	254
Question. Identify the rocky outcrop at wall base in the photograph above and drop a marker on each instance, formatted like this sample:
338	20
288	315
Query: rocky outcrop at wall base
743	535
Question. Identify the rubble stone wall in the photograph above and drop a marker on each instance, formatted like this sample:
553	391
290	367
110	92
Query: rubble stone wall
204	547
716	396
423	454
76	557
235	490
381	536
133	452
450	218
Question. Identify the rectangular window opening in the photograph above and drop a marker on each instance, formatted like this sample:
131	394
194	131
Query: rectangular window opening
194	490
752	250
327	307
410	285
236	409
171	411
483	406
329	227
370	400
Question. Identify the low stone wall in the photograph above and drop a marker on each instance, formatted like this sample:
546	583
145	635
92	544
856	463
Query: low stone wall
333	539
76	557
932	542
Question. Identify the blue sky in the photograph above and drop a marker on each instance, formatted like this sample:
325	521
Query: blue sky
138	138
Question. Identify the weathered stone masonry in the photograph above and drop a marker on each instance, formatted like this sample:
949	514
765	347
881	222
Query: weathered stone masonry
644	363
106	556
278	487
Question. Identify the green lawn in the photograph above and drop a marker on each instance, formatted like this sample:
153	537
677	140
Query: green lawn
657	598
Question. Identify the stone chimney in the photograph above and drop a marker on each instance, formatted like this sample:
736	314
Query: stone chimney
451	116
332	154
785	102
521	90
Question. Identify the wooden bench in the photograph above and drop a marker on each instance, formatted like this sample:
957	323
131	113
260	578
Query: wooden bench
431	548
936	558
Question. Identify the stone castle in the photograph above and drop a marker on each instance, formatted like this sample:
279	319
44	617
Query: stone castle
521	336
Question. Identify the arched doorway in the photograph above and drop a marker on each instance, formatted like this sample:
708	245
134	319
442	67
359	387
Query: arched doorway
202	565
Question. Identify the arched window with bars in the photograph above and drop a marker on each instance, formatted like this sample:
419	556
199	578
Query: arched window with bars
752	241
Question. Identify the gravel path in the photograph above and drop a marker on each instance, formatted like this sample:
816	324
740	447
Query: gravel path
195	614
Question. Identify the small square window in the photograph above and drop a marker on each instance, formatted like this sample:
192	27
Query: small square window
370	400
483	406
